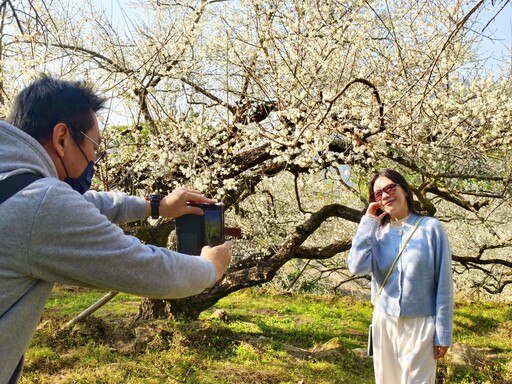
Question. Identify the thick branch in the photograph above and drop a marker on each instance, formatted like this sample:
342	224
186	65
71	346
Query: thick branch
267	266
479	261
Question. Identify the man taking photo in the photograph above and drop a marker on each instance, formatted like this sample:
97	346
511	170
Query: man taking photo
54	230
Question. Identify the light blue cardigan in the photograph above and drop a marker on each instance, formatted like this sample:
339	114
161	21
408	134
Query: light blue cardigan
421	282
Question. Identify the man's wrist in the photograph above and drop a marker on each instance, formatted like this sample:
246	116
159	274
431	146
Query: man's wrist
154	203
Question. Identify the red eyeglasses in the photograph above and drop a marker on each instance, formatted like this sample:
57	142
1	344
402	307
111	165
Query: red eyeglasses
390	189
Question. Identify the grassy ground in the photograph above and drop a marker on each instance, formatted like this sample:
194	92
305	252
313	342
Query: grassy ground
266	338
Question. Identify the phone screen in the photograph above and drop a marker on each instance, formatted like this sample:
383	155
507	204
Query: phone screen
189	234
213	224
193	232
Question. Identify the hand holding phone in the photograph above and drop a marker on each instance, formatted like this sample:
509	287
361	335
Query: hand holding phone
177	203
220	256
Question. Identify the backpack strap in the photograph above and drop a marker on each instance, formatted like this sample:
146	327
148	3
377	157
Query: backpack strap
13	184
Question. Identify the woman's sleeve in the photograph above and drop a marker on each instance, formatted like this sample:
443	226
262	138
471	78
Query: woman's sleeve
444	294
360	256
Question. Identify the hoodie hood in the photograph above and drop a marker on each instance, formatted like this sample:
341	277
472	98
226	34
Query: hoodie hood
21	153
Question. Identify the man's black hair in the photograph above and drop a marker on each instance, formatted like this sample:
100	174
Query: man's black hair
48	101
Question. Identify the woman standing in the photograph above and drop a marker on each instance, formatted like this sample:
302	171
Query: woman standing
409	258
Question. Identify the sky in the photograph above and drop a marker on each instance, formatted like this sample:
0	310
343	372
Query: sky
499	45
496	46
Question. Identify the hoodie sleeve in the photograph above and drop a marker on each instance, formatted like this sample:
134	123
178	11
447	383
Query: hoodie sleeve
116	206
71	242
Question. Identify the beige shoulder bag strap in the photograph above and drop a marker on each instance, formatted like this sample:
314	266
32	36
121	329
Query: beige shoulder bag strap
396	259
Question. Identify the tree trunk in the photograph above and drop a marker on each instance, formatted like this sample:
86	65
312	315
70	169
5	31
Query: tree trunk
256	269
153	309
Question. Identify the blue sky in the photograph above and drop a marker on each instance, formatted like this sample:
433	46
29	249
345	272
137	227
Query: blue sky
499	44
496	45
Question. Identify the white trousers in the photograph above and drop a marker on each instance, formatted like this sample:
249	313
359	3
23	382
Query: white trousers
403	349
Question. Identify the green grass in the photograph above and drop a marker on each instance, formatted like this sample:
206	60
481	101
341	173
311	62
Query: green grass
487	328
267	338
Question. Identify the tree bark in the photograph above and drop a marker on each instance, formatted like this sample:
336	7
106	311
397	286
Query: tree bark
256	269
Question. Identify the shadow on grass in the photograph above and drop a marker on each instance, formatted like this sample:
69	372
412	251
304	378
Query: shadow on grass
482	320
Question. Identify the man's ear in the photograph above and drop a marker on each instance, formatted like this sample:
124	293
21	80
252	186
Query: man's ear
60	138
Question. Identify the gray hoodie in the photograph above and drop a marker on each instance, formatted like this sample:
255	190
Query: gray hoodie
50	233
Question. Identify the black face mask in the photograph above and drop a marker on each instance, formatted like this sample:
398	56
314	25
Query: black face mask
82	183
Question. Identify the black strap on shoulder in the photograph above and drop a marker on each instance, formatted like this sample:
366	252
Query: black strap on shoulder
13	184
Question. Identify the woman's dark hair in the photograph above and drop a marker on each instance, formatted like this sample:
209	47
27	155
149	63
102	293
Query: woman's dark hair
47	102
397	178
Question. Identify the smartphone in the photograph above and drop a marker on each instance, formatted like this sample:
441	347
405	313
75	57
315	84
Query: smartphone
193	232
213	224
379	212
